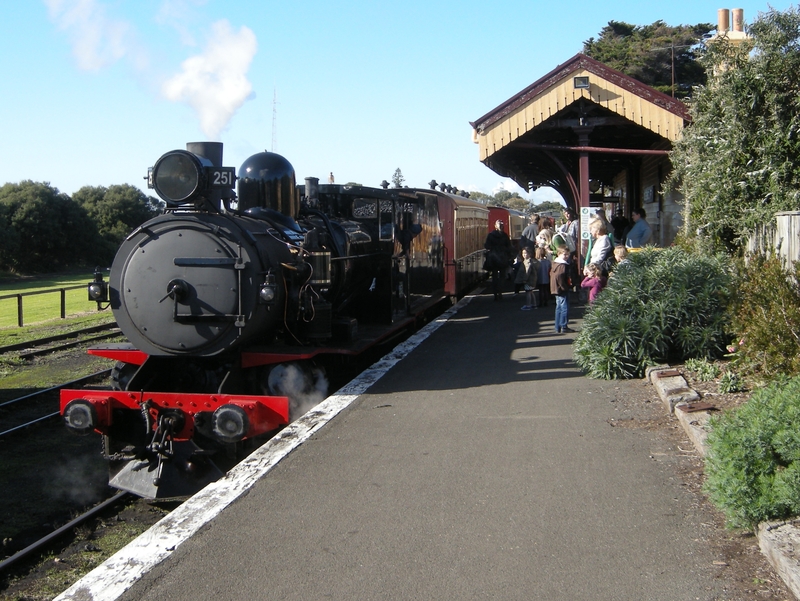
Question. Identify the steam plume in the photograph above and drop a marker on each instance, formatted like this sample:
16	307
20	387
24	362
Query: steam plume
215	82
97	40
305	388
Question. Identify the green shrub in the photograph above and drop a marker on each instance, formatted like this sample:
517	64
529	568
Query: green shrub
766	318
753	465
664	306
703	368
730	382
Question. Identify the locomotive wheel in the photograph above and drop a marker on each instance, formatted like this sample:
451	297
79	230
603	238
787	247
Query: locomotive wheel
121	375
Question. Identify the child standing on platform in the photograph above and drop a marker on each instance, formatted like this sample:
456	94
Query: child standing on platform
544	276
528	276
595	281
560	286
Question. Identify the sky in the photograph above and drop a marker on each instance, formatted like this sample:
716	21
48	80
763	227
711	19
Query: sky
93	92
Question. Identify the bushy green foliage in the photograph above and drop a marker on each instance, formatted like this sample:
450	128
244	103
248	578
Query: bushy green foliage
116	212
767	319
739	161
731	382
703	368
41	229
753	465
664	306
657	55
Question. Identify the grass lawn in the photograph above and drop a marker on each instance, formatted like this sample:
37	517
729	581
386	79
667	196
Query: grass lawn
42	312
39	308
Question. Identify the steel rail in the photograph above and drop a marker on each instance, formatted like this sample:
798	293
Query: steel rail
30	423
77	382
43	542
67	345
30	343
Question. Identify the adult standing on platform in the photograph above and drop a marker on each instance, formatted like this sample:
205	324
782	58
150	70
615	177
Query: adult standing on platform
499	254
528	238
601	247
571	226
641	232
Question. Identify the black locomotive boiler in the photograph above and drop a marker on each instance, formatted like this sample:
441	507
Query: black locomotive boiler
233	297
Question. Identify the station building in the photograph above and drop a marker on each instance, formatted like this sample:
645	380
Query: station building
597	136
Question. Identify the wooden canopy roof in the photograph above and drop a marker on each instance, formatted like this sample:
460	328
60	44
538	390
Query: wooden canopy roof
581	107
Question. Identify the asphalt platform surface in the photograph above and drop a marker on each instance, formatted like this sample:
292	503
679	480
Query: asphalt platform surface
481	466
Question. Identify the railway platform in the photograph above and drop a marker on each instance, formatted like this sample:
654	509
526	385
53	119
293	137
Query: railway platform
473	462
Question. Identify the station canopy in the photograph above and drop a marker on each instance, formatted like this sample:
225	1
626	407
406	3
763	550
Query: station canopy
579	126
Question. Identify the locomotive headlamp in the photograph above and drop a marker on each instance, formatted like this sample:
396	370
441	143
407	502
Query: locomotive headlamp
267	293
268	290
98	289
80	416
180	177
230	423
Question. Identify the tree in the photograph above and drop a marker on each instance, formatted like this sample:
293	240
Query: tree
42	229
480	197
510	200
738	163
548	206
500	198
397	178
653	54
116	211
518	204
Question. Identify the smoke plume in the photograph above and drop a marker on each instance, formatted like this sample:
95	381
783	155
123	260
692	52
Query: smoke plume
97	39
215	82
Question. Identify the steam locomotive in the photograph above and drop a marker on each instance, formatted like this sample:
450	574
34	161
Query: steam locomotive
231	300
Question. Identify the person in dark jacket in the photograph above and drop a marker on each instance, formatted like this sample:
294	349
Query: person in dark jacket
499	253
560	287
620	226
528	277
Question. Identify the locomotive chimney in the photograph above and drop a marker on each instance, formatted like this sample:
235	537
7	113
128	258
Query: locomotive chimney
209	150
212	151
312	191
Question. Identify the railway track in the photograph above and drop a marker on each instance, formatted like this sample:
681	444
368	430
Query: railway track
46	541
35	398
52	344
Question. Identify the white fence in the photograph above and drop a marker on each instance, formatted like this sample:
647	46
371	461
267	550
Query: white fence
783	237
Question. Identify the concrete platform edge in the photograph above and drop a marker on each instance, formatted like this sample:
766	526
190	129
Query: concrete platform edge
119	572
778	541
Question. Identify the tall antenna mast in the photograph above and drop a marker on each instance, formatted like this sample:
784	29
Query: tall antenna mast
275	121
